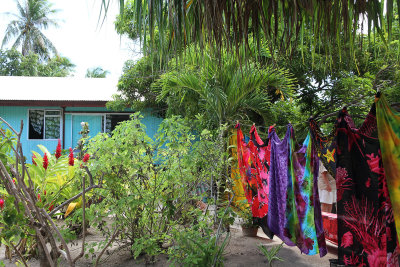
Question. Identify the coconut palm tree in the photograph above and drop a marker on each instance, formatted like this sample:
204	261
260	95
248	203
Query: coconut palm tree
33	17
96	72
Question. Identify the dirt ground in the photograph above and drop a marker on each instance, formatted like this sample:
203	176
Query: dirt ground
241	252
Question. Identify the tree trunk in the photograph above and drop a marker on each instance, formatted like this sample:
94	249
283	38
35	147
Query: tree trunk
41	254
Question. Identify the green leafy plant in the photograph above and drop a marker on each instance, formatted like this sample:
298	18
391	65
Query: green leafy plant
245	214
197	247
32	194
151	184
271	253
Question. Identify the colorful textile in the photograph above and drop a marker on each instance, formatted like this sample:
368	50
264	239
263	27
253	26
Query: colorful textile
325	146
389	138
237	186
260	153
294	213
278	185
252	188
366	230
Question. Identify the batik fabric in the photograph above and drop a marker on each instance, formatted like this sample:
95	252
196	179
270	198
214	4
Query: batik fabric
237	185
366	230
252	187
389	138
294	213
260	154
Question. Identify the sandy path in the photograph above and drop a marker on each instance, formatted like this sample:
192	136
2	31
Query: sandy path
241	252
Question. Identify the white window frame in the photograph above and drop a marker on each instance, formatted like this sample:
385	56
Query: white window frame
44	122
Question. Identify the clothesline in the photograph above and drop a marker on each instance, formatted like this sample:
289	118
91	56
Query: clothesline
367	174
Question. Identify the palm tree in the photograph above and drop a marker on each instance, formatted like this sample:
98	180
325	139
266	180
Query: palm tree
223	91
97	72
32	18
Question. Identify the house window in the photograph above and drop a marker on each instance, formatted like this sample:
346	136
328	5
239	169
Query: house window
112	121
44	124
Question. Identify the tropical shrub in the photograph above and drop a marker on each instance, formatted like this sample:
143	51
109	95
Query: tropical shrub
32	193
150	185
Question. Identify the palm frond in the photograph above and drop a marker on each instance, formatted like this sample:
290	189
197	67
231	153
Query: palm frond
231	23
12	30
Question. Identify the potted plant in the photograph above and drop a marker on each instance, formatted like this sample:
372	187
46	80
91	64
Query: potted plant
249	228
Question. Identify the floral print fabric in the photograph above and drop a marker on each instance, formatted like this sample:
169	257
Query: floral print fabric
389	138
294	213
366	230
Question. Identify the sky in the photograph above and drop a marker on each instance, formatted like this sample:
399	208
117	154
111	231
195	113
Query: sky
80	37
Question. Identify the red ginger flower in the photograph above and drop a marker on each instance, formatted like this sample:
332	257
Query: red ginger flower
58	149
38	197
71	157
51	206
1	203
45	161
33	159
86	157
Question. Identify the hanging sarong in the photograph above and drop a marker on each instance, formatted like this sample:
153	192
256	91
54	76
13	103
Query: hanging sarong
294	213
248	172
325	146
366	230
389	138
260	153
237	186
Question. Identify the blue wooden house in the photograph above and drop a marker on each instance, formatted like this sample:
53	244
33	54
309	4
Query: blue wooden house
53	108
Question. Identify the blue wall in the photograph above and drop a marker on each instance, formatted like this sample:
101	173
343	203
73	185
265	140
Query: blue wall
14	114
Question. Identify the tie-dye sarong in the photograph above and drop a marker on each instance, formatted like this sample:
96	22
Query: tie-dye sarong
294	213
237	185
389	138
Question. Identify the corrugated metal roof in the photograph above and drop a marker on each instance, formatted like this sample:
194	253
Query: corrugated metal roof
57	88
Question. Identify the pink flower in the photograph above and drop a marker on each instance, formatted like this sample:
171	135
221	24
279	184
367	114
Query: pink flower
71	157
1	203
347	240
45	161
86	157
58	149
33	159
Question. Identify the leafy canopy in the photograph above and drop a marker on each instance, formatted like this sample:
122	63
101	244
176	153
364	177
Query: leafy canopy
231	24
13	63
